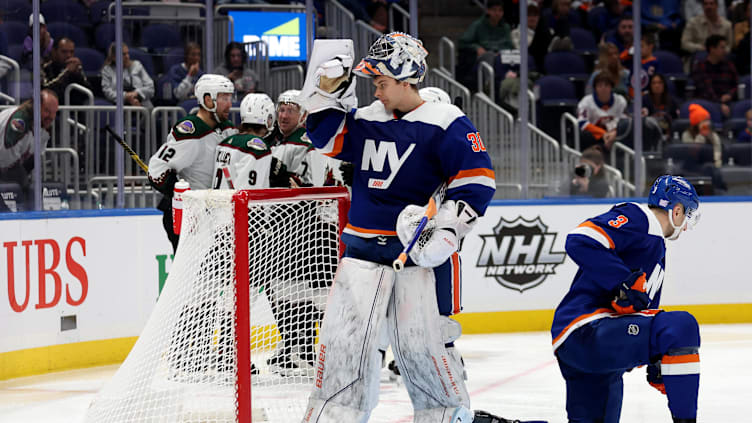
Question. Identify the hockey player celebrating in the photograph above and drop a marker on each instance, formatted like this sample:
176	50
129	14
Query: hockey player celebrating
402	149
244	160
189	150
609	321
293	148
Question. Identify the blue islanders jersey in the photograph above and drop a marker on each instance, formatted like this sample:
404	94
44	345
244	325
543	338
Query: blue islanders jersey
607	249
401	160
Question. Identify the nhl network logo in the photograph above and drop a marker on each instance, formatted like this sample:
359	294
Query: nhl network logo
519	253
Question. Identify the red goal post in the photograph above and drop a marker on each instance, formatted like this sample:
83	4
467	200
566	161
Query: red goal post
247	287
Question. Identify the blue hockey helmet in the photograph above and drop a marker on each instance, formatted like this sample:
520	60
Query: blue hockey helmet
668	191
397	55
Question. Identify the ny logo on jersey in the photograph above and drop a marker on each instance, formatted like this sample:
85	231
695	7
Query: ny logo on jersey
374	158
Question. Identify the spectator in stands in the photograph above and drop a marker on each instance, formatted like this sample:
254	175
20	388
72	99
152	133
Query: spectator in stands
63	69
700	27
588	177
485	37
741	38
660	104
623	36
746	134
183	76
663	17
374	12
559	21
741	27
610	65
692	8
236	68
138	87
17	140
45	43
715	77
610	19
650	64
701	132
539	36
599	113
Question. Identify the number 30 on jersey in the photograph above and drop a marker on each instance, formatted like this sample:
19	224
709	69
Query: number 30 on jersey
476	141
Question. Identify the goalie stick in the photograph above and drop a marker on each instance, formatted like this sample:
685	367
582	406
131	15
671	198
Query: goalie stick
431	209
128	149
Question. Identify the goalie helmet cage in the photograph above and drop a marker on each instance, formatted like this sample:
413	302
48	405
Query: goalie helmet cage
232	336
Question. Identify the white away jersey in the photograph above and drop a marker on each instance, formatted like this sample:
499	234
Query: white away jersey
246	160
17	137
189	151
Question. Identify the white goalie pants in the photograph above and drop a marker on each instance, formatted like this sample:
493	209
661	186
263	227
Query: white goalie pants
365	296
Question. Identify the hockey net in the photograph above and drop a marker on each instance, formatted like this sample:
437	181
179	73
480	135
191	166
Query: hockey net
233	334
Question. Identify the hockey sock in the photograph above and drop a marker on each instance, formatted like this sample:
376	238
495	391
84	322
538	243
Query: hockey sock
682	394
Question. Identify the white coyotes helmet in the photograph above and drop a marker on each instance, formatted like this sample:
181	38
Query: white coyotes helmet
434	95
397	55
292	97
212	84
257	109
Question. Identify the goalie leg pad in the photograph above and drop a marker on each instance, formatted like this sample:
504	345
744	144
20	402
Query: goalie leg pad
444	415
348	361
432	378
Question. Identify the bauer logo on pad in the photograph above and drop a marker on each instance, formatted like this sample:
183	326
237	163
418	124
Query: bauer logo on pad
519	254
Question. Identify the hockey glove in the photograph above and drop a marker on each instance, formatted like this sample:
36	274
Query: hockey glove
655	379
165	184
335	86
441	236
632	297
279	177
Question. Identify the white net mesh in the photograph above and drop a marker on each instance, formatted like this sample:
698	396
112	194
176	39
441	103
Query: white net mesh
184	366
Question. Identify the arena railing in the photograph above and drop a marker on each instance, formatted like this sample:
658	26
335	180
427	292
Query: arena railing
258	58
440	79
447	56
102	192
283	78
627	155
14	83
398	14
567	117
496	127
571	158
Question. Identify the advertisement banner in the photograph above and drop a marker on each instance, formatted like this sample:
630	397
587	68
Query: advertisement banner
79	279
515	258
283	32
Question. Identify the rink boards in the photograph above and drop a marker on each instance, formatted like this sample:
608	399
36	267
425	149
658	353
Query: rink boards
101	273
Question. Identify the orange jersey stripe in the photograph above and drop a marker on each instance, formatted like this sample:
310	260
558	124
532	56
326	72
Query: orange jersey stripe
338	142
370	231
456	283
676	359
470	173
584	316
600	230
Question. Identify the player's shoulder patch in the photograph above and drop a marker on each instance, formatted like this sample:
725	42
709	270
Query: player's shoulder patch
299	138
185	127
189	127
16	128
256	144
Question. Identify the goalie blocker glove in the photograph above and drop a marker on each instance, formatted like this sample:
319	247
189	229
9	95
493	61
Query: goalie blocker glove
441	236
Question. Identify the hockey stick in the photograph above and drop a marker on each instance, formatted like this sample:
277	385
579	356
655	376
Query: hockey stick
228	177
431	209
128	149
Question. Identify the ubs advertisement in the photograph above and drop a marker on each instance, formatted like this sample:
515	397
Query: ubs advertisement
78	279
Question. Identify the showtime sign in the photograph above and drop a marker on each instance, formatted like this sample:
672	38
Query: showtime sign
41	261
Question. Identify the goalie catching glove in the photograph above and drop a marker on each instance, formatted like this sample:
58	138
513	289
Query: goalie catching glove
441	236
329	82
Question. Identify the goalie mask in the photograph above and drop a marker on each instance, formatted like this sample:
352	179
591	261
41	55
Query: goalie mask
668	191
434	95
292	97
257	109
397	55
213	85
